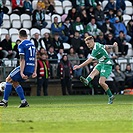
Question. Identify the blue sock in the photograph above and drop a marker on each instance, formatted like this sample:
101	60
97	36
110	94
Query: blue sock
7	91
20	92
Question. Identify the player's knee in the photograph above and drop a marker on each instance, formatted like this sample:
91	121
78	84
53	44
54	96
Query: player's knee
101	83
15	84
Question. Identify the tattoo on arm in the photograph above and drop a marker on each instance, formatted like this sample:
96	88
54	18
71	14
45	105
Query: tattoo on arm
21	57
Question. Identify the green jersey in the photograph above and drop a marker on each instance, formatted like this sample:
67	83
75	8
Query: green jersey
99	53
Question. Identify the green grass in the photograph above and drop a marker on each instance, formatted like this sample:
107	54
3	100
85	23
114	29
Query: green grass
68	114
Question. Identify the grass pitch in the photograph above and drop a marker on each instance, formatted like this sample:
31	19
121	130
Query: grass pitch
68	114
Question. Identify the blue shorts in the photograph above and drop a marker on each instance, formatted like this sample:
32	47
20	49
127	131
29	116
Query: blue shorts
15	75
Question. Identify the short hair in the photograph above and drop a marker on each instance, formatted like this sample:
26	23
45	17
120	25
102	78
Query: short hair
22	33
88	38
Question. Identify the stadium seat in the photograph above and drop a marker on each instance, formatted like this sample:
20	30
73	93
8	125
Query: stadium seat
131	62
9	6
34	4
6	21
104	3
27	24
33	31
16	23
48	20
25	17
3	33
8	2
58	7
122	62
7	62
126	17
130	51
13	32
129	10
10	9
56	15
14	16
67	5
66	46
44	30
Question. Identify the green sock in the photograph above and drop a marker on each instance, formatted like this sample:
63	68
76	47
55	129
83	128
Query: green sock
109	93
89	78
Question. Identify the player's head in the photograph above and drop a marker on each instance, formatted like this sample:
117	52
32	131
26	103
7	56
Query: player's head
22	34
89	40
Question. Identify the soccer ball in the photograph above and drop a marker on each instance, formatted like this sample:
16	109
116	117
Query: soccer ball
2	86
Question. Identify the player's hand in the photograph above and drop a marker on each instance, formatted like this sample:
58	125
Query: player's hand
34	75
76	67
115	44
24	76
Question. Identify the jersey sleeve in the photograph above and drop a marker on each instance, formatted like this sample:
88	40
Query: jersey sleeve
21	49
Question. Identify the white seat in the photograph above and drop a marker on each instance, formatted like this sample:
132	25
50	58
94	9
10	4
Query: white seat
122	62
13	32
14	62
25	17
33	31
129	10
10	9
6	21
66	9
47	17
14	16
57	3
16	24
104	3
131	62
48	20
66	46
56	15
128	3
59	9
14	37
26	24
130	51
7	62
8	3
44	30
126	17
34	4
3	33
66	3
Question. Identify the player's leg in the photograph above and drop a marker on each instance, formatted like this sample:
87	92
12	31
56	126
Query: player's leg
91	76
107	89
104	73
20	93
7	92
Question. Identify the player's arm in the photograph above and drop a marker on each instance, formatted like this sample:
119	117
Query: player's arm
85	63
22	66
35	69
111	46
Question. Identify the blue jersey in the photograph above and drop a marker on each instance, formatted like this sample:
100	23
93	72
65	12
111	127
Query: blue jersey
28	49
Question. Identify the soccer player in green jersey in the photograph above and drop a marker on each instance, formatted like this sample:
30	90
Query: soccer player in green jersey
104	67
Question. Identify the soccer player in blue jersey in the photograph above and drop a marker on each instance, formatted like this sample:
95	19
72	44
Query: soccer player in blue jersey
28	65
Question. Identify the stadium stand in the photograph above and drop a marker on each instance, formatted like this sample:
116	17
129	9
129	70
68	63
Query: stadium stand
12	23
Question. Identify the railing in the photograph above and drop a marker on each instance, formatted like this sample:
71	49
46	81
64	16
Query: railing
8	65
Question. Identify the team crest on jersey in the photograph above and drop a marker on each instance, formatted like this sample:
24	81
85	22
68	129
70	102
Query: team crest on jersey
102	71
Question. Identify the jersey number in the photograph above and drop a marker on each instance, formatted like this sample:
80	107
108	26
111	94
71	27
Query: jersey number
32	50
